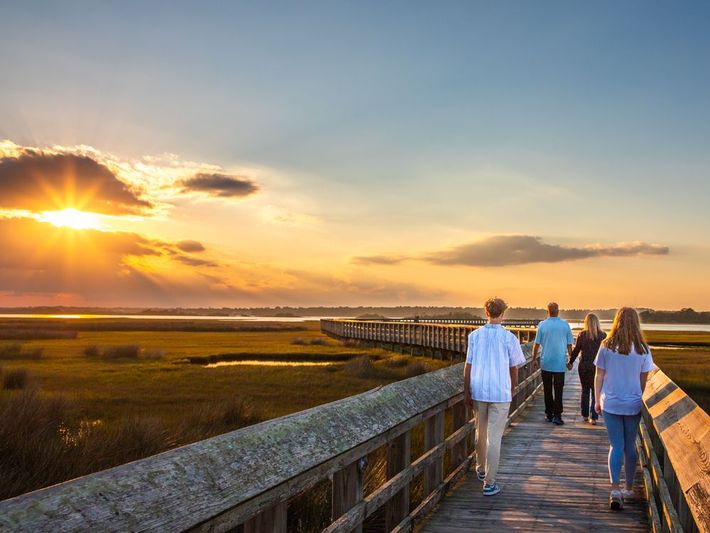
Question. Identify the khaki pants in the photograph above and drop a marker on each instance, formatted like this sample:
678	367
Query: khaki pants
490	424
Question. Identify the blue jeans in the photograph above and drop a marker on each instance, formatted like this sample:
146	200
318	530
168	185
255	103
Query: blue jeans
622	431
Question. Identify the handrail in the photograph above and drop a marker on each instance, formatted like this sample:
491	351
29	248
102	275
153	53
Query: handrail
523	322
674	438
247	476
447	341
675	445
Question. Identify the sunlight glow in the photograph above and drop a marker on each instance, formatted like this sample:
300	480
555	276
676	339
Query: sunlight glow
72	218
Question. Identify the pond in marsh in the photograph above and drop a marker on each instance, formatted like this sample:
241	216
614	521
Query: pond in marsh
271	363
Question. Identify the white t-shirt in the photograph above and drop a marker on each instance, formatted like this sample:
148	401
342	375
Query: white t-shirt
492	352
621	391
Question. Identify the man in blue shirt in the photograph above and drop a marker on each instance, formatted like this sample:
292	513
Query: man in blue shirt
555	337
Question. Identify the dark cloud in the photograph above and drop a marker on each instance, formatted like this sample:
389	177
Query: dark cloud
506	250
190	246
39	181
379	259
194	261
220	185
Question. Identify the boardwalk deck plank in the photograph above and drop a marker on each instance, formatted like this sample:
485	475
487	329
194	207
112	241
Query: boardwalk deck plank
552	477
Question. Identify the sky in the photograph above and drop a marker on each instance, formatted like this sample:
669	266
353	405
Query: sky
355	153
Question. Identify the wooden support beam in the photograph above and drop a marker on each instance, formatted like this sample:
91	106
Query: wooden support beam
399	457
433	435
272	520
347	491
459	452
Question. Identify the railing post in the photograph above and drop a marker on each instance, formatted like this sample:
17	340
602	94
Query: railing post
272	519
398	458
347	490
433	435
458	452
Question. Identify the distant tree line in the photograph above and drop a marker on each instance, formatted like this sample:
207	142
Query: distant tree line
684	316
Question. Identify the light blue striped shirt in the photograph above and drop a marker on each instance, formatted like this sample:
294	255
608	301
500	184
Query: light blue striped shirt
492	352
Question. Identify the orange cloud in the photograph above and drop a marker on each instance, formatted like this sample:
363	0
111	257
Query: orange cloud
39	181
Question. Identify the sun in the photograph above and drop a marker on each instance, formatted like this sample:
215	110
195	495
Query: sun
71	218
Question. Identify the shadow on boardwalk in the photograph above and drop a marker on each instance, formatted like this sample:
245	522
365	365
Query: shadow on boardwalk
553	479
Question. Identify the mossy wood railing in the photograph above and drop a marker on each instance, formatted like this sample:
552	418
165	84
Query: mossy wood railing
245	479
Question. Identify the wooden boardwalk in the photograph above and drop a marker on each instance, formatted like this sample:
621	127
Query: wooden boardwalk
553	479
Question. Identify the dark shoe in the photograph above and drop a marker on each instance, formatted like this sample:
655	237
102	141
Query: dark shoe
548	419
558	421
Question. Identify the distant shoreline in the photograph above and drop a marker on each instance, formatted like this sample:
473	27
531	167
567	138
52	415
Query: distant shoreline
648	316
92	317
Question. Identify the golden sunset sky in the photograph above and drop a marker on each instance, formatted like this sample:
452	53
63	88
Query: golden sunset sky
322	154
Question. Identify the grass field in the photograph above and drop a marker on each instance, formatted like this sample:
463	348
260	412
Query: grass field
77	397
116	396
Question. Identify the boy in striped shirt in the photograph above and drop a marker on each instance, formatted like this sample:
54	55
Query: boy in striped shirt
490	376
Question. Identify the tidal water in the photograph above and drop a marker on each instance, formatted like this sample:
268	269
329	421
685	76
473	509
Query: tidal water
606	324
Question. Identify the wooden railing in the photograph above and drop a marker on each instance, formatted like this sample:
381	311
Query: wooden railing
438	340
515	323
245	479
674	443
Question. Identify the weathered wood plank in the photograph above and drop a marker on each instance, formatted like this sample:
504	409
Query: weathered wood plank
682	429
399	456
347	492
553	479
433	435
272	520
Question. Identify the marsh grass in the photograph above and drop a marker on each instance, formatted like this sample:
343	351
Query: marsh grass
36	334
126	351
130	352
15	379
42	440
416	368
17	351
362	367
318	341
689	368
397	361
57	328
125	408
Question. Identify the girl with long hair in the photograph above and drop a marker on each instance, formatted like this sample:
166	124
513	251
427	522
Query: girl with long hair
588	342
623	363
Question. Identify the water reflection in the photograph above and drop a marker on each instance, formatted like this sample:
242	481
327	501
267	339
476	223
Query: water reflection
271	363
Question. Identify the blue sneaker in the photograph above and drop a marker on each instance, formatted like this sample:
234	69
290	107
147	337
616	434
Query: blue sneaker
491	490
480	475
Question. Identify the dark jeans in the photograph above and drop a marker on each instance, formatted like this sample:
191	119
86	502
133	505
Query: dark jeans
553	383
586	378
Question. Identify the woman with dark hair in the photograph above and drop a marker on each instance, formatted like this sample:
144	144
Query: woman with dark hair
623	363
588	342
